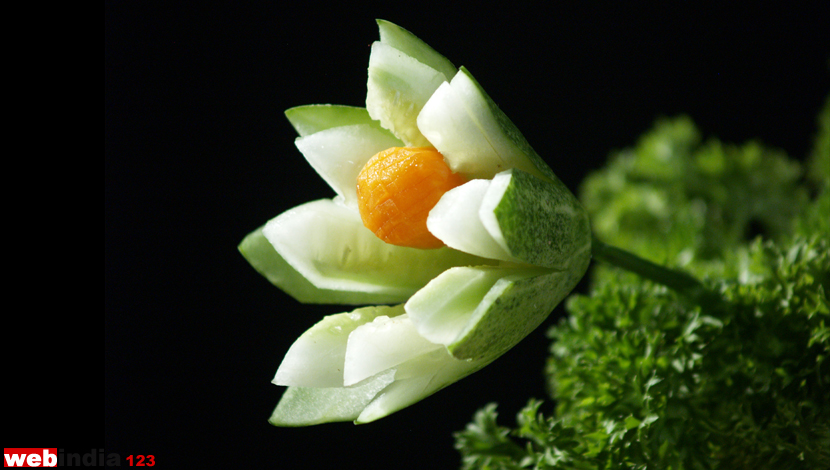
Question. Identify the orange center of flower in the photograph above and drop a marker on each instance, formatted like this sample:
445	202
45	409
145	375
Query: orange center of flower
396	190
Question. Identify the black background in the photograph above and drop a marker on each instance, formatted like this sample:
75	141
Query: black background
198	153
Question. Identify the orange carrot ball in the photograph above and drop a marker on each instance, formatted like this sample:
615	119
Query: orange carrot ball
396	190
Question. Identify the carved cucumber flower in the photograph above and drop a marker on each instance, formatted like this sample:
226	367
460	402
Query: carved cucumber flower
445	218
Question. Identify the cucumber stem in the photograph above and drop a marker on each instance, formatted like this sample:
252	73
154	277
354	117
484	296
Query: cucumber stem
678	281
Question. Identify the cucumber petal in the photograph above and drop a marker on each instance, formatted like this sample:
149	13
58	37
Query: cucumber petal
316	358
417	379
397	89
541	221
339	153
455	220
442	309
450	128
481	312
476	138
305	406
319	117
514	217
382	344
411	45
514	307
327	244
264	258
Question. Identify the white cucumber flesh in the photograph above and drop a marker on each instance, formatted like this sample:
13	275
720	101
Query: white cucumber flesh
417	379
442	310
316	358
382	344
265	259
456	221
397	89
338	154
474	135
327	244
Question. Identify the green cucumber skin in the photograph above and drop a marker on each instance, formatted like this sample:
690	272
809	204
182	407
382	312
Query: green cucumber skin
413	46
511	133
313	118
542	221
519	307
307	406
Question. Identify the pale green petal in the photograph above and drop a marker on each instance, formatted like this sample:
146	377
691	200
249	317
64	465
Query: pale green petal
514	217
455	220
319	117
474	135
443	308
397	89
265	259
382	344
445	121
338	154
305	406
540	221
417	379
511	310
316	358
414	47
327	243
479	313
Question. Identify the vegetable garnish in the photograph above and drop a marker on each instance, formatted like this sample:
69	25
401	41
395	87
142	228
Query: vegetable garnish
456	237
